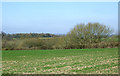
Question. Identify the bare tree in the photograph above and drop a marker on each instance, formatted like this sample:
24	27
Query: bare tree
83	34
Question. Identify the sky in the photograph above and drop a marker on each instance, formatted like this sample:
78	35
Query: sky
56	17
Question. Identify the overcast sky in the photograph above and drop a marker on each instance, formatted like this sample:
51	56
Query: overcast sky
56	17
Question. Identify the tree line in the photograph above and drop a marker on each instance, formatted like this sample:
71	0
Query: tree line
28	35
91	35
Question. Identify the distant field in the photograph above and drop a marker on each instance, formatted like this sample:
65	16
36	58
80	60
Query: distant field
74	61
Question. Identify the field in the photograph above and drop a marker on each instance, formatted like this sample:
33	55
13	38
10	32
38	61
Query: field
70	61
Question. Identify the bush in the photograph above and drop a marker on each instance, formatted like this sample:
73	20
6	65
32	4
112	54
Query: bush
9	45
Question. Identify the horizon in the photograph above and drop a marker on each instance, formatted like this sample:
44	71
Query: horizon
56	17
45	33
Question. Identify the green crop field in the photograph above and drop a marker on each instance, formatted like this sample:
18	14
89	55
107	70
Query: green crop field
70	61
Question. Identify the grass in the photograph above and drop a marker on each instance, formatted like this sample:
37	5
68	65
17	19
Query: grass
70	61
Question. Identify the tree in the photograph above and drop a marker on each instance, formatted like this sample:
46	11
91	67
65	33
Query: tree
83	34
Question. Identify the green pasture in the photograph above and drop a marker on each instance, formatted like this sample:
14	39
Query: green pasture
69	61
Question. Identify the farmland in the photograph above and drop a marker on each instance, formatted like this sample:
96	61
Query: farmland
62	61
